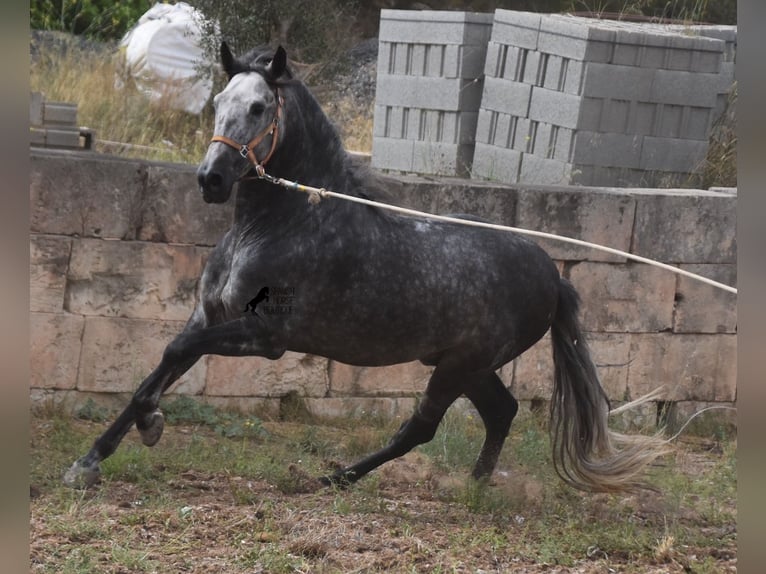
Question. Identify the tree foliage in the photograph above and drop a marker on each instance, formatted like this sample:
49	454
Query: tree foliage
99	19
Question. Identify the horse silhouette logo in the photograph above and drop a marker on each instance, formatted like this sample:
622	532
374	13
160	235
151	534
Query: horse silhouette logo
263	295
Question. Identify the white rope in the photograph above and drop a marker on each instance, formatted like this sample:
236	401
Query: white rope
317	194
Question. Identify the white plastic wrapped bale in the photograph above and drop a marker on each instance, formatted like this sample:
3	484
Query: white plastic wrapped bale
163	54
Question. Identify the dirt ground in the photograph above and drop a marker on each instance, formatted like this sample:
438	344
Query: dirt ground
400	520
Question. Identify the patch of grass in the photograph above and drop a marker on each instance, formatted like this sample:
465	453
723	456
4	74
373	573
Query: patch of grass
153	130
457	441
229	424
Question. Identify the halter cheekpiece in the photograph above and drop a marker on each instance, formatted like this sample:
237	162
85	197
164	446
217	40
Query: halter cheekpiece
247	151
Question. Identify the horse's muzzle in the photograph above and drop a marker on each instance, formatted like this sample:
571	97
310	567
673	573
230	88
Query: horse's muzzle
213	185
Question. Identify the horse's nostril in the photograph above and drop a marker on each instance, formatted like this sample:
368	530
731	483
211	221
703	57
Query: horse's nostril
207	179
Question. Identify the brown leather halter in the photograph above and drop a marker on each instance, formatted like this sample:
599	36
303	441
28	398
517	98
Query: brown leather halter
248	151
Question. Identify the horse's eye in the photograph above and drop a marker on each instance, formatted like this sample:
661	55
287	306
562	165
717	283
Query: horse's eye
256	108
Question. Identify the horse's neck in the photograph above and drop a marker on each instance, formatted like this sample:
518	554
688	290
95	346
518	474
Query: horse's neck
313	153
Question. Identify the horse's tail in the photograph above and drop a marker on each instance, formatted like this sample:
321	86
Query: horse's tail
586	453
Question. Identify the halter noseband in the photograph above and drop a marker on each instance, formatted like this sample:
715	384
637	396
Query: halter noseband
248	151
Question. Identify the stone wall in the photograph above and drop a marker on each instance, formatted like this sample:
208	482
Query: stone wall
117	246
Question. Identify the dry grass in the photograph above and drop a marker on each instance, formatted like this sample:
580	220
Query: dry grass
203	502
127	123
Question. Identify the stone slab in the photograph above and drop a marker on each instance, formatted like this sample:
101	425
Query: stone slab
685	226
54	350
361	407
133	279
404	379
118	353
691	367
702	308
48	263
596	216
629	297
260	377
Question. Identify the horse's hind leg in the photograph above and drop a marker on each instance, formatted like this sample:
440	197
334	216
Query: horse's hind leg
442	390
497	408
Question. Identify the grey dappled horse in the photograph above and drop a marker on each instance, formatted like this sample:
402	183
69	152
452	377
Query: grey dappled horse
371	288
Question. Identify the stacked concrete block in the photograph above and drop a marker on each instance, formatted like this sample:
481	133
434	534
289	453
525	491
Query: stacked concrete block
592	102
54	124
428	90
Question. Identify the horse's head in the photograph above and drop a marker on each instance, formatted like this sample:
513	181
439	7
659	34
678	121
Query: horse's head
247	113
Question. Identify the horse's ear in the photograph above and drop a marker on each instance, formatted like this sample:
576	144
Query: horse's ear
227	60
278	63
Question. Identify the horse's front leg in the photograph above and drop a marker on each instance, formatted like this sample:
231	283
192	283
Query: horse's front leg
242	337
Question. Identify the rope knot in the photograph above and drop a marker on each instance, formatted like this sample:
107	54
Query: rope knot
316	195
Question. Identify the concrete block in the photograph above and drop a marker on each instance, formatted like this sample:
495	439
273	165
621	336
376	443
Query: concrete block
685	226
440	26
450	94
522	135
260	377
671	154
59	114
495	163
528	74
48	262
507	97
645	119
683	89
706	62
133	279
597	216
438	158
654	57
494	60
671	122
543	171
691	367
64	138
555	73
607	149
590	112
118	353
573	76
628	47
553	107
54	350
576	38
616	115
392	154
628	297
516	28
702	308
405	379
37	136
35	108
620	82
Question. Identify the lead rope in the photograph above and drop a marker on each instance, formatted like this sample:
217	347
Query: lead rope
317	194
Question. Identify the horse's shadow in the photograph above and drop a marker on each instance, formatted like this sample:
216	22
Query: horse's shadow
263	295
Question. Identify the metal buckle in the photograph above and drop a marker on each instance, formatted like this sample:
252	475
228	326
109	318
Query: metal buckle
244	151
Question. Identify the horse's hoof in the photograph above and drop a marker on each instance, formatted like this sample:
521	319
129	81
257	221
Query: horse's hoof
339	480
81	476
151	428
